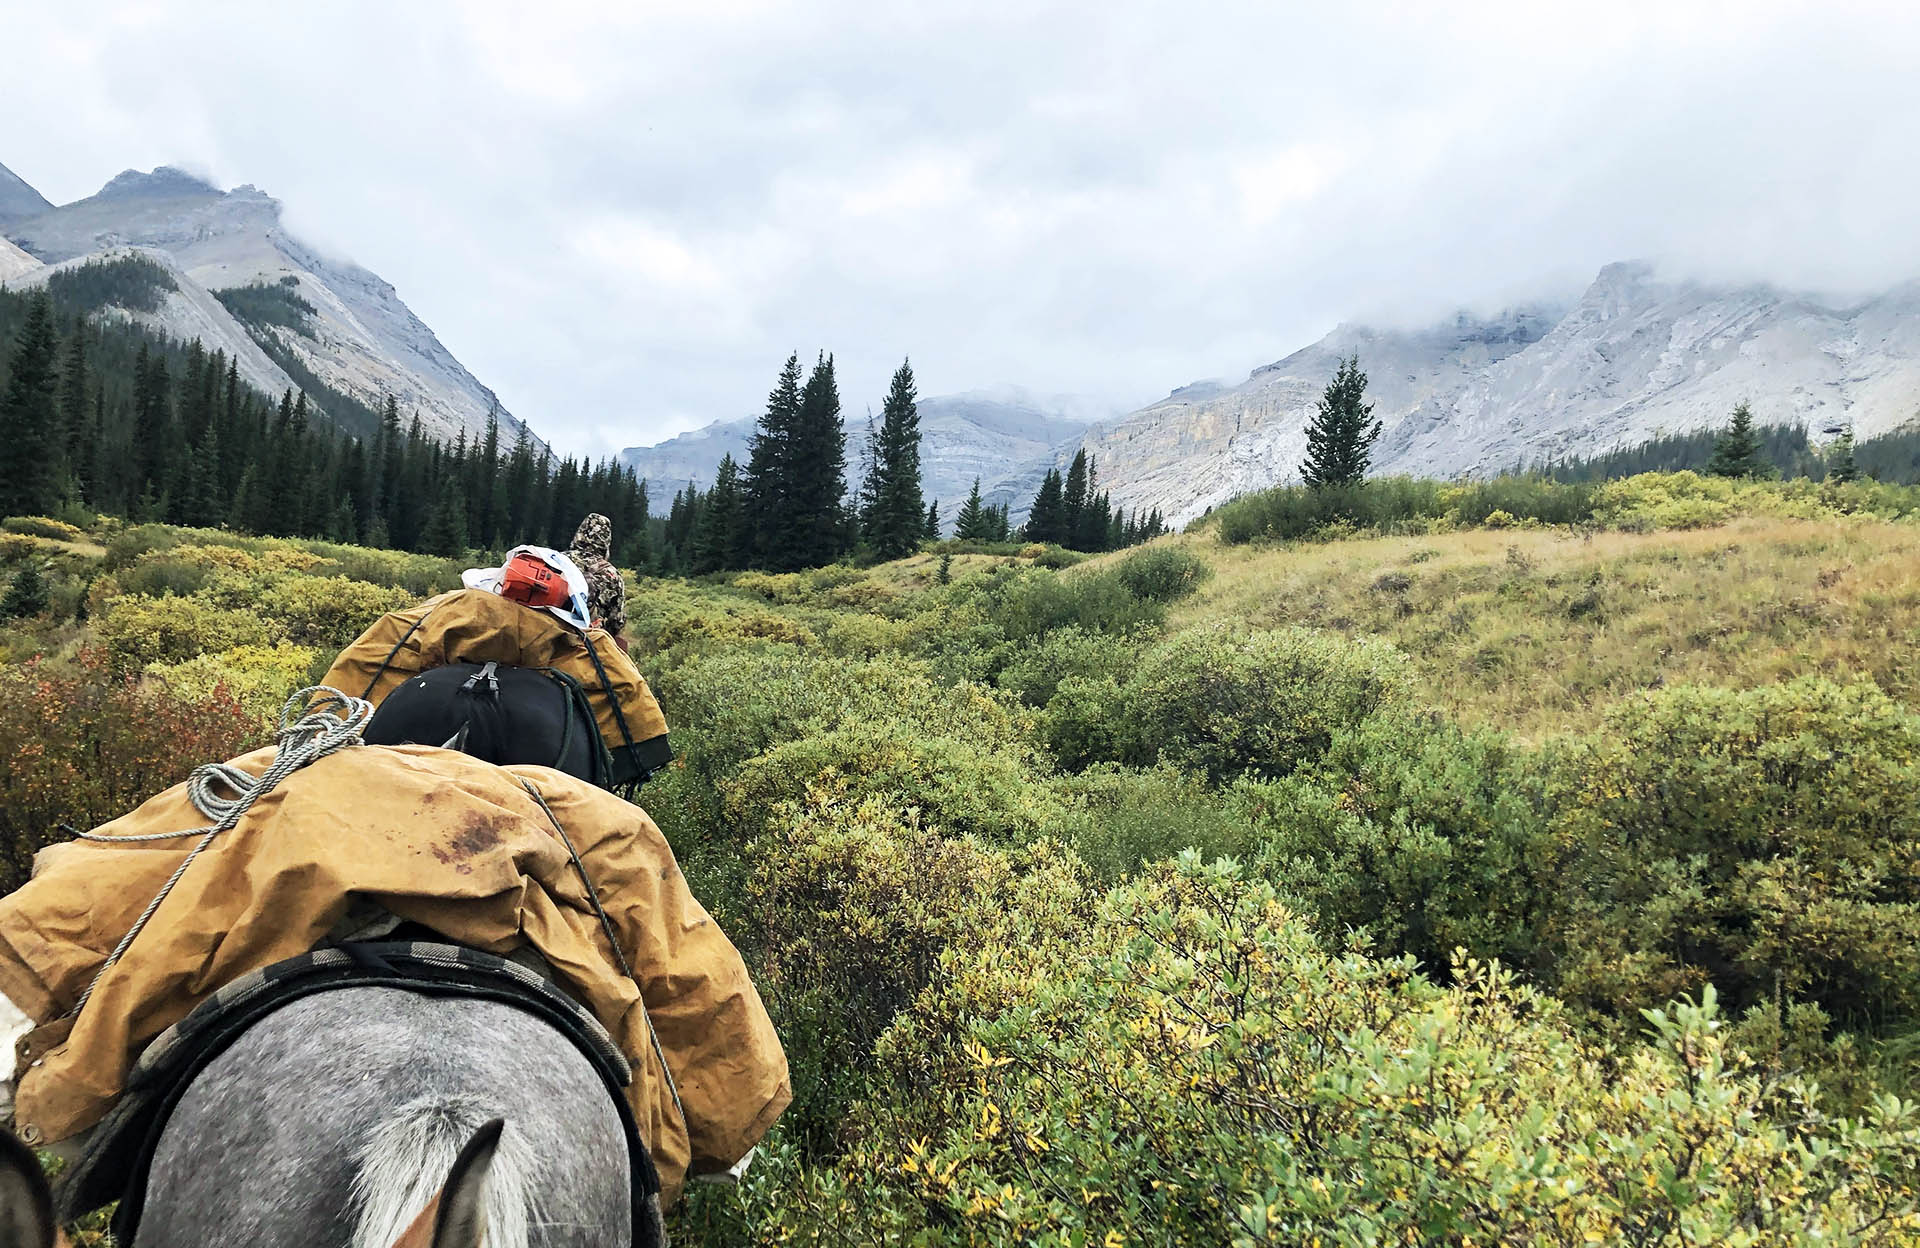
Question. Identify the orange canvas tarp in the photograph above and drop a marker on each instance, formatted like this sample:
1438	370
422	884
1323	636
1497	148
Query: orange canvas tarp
475	626
432	836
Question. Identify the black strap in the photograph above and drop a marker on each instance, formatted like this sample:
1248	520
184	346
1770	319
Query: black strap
489	673
387	662
606	687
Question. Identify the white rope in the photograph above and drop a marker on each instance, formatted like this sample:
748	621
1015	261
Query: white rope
316	722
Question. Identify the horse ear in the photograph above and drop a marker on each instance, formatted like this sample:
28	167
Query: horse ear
26	1206
462	1220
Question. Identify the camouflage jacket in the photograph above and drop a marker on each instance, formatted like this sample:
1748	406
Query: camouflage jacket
606	592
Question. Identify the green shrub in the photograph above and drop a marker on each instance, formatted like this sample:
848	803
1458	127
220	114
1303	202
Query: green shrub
1027	603
124	547
138	630
1422	836
849	905
160	575
1189	1065
1765	840
1227	703
420	575
260	678
955	786
1161	573
1035	670
1090	719
328	611
739	704
1122	818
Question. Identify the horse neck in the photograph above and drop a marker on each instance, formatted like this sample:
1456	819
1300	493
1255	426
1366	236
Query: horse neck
334	1120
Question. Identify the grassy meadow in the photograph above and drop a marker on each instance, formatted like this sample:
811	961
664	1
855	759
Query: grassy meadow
1516	864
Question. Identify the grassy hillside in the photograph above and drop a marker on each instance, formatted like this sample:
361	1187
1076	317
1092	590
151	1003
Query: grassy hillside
1463	879
1543	629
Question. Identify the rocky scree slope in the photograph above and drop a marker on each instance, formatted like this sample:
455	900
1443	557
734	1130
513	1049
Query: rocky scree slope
186	312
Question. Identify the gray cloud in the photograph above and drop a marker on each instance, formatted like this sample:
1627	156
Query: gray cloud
624	220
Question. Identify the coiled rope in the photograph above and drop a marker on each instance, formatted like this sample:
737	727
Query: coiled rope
316	722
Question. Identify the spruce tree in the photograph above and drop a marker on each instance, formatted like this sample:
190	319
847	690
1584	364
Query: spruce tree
972	524
719	537
27	595
31	443
930	524
1075	500
446	530
867	496
1339	439
75	412
1047	518
897	524
1736	453
769	463
814	531
1840	465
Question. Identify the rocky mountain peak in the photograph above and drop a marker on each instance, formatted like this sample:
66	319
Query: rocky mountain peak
17	199
166	180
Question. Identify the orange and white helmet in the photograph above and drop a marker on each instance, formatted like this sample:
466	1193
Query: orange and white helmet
538	577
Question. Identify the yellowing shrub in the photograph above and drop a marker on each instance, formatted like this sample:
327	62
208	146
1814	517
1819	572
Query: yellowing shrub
328	611
138	629
43	526
258	677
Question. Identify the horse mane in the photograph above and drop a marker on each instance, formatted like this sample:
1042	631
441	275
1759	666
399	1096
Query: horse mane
407	1158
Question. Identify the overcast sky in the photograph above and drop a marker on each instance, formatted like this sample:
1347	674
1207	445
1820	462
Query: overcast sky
623	216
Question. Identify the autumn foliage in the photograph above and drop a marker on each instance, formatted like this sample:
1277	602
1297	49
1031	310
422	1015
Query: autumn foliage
82	746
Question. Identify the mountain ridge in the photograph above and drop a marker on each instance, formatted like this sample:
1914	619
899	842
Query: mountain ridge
1635	356
360	338
17	198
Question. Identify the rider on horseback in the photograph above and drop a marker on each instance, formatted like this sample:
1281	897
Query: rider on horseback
592	550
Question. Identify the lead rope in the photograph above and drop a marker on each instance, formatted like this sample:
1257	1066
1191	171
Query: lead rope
606	924
316	722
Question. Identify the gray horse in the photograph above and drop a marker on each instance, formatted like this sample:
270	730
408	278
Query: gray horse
380	1118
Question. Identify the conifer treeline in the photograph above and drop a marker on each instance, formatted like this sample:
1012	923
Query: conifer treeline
94	418
1068	512
789	507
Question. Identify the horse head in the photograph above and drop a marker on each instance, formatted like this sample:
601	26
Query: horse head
454	1218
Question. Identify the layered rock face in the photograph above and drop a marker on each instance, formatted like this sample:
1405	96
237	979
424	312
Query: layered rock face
359	339
1634	357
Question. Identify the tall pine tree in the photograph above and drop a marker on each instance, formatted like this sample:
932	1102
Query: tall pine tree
1047	518
813	532
1840	465
1339	439
719	540
897	524
31	442
769	462
973	523
1737	452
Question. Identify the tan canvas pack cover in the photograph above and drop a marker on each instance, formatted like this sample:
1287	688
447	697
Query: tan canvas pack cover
476	626
432	836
